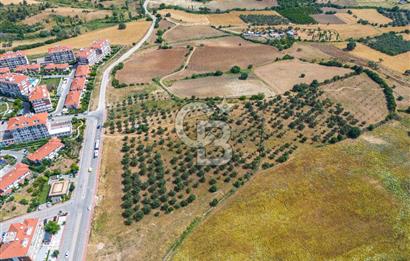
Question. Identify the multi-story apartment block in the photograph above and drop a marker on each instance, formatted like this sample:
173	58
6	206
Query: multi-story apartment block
16	85
102	48
47	151
40	99
82	71
29	127
4	70
73	100
60	54
28	68
56	67
13	177
78	84
13	59
87	56
22	241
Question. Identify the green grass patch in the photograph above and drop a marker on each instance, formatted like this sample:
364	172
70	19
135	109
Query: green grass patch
299	15
389	43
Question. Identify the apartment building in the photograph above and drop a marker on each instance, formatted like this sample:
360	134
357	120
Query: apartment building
13	178
22	241
13	59
28	68
40	99
102	48
87	56
82	71
29	127
57	67
73	100
47	151
60	54
16	85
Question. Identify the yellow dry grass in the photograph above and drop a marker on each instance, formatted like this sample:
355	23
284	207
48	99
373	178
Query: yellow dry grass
84	14
347	18
133	32
398	63
347	31
406	37
184	17
371	15
8	2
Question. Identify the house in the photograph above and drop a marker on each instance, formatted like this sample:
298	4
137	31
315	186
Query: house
78	84
22	241
40	99
87	56
73	100
4	70
28	68
58	189
57	67
13	178
60	54
13	59
102	48
29	127
16	85
82	71
47	151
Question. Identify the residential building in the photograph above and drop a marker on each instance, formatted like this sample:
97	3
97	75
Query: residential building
5	137
102	48
16	85
13	178
13	59
29	127
40	99
60	54
47	151
22	241
4	70
82	71
78	84
57	67
87	56
28	68
73	100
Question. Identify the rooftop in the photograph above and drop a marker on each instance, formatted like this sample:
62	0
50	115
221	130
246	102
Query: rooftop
73	99
52	145
9	55
98	44
24	67
82	70
27	120
78	84
84	52
57	49
14	174
40	92
52	66
4	70
14	78
59	188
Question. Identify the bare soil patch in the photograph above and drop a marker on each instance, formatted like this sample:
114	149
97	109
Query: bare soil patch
148	64
84	14
218	4
327	19
184	33
361	96
307	52
283	75
224	86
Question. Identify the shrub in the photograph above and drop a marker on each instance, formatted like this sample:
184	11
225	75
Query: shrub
235	69
243	76
213	203
353	132
122	26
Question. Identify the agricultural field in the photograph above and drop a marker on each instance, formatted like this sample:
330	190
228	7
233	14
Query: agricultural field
346	201
371	15
218	4
191	32
307	52
151	63
223	86
131	34
389	43
15	2
327	19
361	96
283	75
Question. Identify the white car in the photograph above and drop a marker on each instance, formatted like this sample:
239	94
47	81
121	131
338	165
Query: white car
89	208
66	254
90	170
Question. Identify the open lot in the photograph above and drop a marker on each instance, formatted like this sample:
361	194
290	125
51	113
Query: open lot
148	64
283	75
191	32
335	202
306	51
218	4
133	32
371	15
223	86
361	96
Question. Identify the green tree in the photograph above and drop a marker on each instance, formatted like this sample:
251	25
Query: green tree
235	69
351	45
52	227
122	26
353	132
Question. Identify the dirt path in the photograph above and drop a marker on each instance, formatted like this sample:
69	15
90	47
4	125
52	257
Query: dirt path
7	108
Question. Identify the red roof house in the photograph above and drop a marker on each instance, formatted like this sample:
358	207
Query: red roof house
47	151
13	178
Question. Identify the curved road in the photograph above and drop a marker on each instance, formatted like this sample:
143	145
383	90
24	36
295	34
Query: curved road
81	205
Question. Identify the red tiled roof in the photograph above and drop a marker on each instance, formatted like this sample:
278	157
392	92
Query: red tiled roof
14	78
27	67
57	49
27	120
14	174
82	71
52	145
78	84
98	44
84	53
40	92
9	55
56	66
73	99
4	70
21	236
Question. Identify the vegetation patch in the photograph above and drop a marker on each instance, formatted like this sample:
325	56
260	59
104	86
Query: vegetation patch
256	19
389	43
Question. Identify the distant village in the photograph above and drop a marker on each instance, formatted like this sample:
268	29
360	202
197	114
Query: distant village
262	33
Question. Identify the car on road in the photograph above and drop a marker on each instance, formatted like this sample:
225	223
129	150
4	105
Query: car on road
90	169
89	208
95	153
66	254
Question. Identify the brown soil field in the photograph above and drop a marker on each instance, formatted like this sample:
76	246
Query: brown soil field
283	75
398	63
133	32
223	86
8	2
347	18
361	96
327	19
223	53
184	17
144	66
85	14
307	52
184	33
218	4
371	15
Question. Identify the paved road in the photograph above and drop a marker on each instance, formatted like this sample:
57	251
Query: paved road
17	154
64	92
80	207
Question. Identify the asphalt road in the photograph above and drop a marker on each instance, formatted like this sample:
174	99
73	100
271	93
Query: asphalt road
64	92
81	205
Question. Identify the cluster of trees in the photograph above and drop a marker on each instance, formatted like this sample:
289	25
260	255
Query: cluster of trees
400	17
299	15
388	43
256	19
387	90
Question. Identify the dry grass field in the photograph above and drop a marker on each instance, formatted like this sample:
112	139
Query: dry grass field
143	66
341	202
218	4
399	63
361	96
84	14
406	37
8	2
347	18
283	75
223	86
328	19
307	52
371	15
191	32
133	32
347	31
